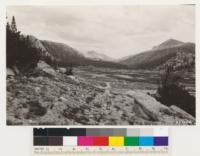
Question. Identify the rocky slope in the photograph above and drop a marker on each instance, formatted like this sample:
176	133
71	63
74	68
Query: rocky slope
64	53
44	53
49	97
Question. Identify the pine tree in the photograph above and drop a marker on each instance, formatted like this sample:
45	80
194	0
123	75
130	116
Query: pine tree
8	28
13	25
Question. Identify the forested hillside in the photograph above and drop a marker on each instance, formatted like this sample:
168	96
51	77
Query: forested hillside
183	56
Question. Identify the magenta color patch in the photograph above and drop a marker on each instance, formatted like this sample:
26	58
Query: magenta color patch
85	141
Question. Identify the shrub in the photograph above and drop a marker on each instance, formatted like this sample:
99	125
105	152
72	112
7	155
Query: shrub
171	92
69	70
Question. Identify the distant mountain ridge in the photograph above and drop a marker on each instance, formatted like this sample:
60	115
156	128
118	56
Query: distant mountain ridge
98	56
168	44
181	54
65	55
159	56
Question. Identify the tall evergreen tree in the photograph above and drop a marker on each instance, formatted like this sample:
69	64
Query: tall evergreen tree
13	25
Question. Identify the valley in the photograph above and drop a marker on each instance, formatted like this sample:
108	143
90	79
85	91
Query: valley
92	96
132	79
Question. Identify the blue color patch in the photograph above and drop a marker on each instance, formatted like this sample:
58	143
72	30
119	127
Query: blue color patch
146	141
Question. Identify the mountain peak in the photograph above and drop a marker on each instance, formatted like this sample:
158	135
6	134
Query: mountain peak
169	43
92	52
98	56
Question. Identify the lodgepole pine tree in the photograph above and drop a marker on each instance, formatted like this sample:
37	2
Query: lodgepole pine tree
13	25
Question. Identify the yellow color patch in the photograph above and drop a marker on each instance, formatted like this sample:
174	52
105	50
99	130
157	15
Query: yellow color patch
116	141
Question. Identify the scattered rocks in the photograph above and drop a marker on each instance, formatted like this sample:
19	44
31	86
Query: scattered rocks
62	99
62	70
182	113
89	99
37	90
9	72
36	109
49	98
46	68
16	70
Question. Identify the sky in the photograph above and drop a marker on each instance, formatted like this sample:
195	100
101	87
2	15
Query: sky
116	31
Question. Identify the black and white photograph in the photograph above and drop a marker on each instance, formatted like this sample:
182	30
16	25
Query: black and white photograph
100	65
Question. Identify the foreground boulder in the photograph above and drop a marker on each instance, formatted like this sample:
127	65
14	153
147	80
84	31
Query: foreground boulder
159	112
46	68
9	72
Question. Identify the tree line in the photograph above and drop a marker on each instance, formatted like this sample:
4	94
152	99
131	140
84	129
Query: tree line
19	51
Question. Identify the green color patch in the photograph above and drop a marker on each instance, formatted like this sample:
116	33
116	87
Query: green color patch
131	141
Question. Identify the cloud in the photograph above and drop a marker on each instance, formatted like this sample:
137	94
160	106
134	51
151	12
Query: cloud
113	30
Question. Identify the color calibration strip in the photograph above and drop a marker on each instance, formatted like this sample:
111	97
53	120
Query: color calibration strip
100	140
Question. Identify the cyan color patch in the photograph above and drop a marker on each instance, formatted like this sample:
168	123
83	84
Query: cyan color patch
146	141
